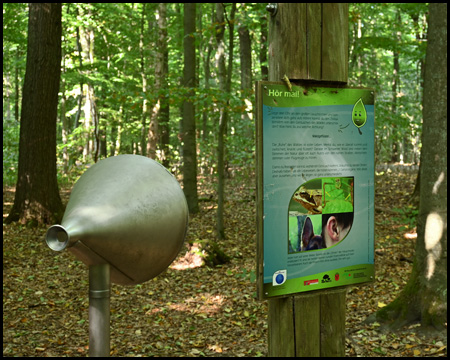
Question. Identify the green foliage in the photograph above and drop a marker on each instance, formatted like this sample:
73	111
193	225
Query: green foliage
121	52
15	22
339	206
408	217
10	151
247	275
378	33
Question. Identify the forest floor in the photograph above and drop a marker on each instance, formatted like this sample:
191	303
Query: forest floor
193	310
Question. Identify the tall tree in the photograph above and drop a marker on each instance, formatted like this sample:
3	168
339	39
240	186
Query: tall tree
223	117
158	131
245	50
153	127
245	54
424	297
188	121
162	71
225	86
263	47
37	195
144	84
90	112
205	56
395	91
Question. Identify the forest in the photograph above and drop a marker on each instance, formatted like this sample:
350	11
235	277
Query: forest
176	83
122	73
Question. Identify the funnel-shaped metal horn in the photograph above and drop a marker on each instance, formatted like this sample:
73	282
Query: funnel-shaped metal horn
127	211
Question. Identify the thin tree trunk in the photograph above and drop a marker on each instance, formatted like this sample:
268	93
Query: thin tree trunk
90	116
225	85
144	85
263	48
220	56
162	73
245	47
188	124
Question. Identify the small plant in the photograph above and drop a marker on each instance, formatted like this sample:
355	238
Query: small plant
408	216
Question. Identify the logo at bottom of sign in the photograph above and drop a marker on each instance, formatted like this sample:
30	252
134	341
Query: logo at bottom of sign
279	277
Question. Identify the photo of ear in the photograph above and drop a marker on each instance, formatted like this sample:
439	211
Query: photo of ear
335	227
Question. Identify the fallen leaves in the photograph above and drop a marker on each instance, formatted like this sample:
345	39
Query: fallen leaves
190	309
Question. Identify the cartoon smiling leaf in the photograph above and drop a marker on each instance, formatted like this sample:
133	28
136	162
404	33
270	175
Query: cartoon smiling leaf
359	114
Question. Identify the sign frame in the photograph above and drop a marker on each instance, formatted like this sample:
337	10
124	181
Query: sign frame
292	172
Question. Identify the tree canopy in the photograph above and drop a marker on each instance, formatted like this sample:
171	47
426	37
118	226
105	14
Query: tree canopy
109	80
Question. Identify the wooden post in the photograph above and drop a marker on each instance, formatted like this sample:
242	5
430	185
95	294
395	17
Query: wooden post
308	42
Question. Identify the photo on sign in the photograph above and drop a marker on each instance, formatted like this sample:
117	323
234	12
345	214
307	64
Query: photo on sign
320	214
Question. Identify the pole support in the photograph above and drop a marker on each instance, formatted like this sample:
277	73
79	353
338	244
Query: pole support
99	310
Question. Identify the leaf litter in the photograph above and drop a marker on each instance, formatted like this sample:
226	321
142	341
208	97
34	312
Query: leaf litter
191	309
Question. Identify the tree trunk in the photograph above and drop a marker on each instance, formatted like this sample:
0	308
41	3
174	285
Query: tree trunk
245	47
206	56
188	124
37	196
90	116
424	297
80	61
155	128
64	122
225	85
222	74
17	86
263	48
144	85
162	73
395	146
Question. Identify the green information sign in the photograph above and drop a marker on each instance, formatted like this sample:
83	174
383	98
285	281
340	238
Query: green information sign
315	161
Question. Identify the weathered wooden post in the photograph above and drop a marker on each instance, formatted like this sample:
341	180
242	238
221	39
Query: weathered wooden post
308	42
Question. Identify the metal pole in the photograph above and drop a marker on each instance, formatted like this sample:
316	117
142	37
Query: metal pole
99	285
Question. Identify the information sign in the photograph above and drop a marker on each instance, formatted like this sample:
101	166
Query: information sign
315	161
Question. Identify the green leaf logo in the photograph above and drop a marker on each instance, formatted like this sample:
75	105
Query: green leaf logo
359	114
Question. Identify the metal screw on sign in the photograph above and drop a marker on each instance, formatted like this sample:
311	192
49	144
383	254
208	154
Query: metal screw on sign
272	8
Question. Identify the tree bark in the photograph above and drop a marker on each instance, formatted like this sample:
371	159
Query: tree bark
158	130
395	145
153	127
90	112
245	49
144	84
222	75
37	196
424	297
188	123
162	73
245	52
263	48
225	85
